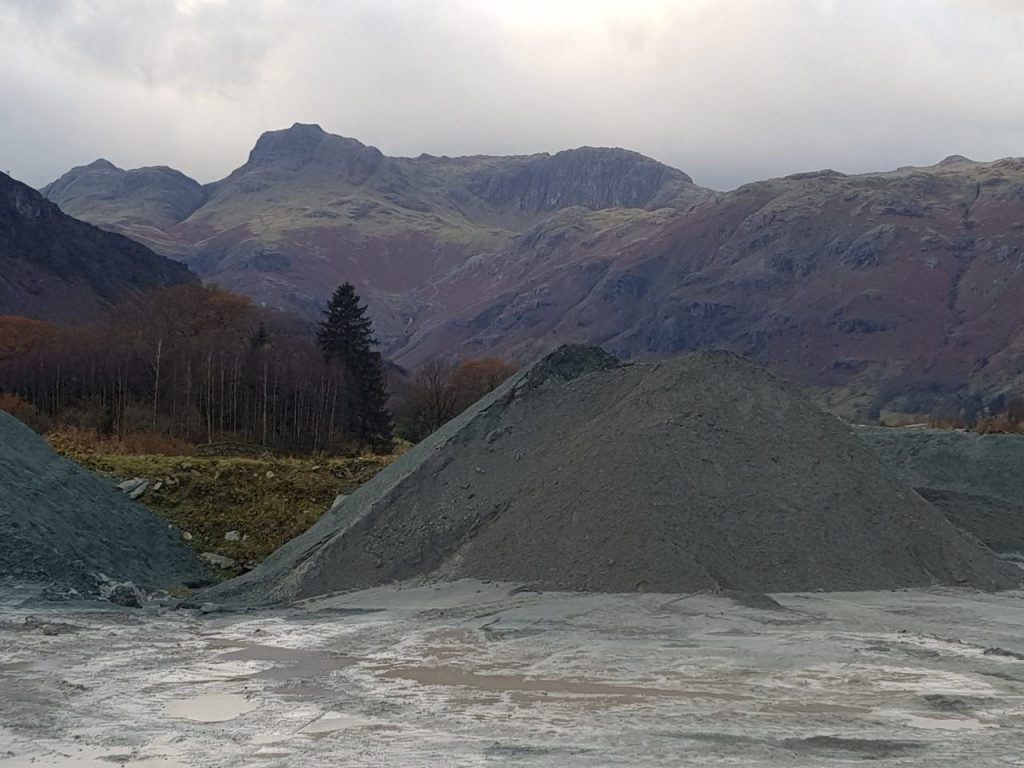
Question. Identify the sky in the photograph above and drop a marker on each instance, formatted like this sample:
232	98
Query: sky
730	91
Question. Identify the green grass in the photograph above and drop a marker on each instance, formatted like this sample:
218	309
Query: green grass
268	499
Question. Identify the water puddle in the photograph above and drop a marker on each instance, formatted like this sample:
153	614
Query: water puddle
449	676
211	708
290	663
331	722
942	723
816	708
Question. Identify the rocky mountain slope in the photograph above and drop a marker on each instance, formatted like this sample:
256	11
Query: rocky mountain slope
309	210
907	283
54	267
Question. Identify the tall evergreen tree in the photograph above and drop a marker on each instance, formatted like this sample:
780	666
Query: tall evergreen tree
346	338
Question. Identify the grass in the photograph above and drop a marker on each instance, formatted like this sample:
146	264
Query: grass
266	499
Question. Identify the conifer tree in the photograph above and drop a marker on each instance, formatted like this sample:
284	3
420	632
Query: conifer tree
346	338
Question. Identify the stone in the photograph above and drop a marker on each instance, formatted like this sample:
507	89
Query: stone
232	536
131	487
126	595
218	561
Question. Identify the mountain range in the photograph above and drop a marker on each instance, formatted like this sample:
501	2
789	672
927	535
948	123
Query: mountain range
55	267
908	283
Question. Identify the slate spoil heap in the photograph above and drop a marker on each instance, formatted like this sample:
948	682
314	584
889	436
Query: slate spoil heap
580	473
67	529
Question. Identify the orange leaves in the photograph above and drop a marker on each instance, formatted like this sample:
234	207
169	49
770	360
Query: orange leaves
21	335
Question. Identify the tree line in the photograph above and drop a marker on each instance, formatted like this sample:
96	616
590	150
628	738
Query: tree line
202	365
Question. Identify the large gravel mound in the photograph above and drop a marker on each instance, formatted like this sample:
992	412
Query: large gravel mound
700	473
61	525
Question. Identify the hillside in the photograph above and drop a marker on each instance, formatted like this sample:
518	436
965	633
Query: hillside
54	267
898	287
911	281
309	210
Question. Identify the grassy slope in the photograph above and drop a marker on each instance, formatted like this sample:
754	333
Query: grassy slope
268	500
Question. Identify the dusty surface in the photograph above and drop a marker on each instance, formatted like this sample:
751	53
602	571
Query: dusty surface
470	674
700	473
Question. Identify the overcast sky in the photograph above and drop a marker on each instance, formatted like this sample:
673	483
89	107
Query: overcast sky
728	90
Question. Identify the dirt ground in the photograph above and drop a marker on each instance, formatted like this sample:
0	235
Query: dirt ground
472	674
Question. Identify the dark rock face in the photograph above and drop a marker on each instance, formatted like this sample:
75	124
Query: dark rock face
54	267
303	145
590	177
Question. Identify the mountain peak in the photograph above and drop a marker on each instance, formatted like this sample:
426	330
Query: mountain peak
101	164
954	160
306	128
306	144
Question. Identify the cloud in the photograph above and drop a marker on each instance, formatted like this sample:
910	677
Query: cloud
729	90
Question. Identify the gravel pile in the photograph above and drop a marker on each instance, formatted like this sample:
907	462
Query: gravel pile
976	480
699	473
68	529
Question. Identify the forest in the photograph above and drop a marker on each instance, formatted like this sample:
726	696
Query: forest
197	364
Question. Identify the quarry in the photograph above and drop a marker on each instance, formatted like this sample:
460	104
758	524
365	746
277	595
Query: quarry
651	563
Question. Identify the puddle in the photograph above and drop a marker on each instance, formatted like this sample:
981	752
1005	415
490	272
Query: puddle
449	676
942	723
814	708
211	708
15	666
330	722
291	663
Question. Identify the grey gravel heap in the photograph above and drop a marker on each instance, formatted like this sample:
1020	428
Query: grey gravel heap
66	528
699	473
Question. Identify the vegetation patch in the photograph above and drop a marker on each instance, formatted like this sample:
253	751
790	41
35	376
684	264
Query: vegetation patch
242	508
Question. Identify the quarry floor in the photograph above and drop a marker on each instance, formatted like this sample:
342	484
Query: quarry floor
469	674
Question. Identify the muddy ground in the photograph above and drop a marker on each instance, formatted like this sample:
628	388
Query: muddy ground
471	674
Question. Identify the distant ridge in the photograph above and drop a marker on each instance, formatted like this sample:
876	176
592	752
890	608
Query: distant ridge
898	288
57	268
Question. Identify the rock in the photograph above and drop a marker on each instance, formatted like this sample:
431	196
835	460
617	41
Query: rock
159	484
232	536
186	536
126	594
270	475
218	561
131	487
210	608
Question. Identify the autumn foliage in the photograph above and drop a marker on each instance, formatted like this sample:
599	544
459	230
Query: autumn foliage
442	389
192	363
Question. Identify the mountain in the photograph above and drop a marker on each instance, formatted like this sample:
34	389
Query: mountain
309	210
895	287
54	267
910	283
